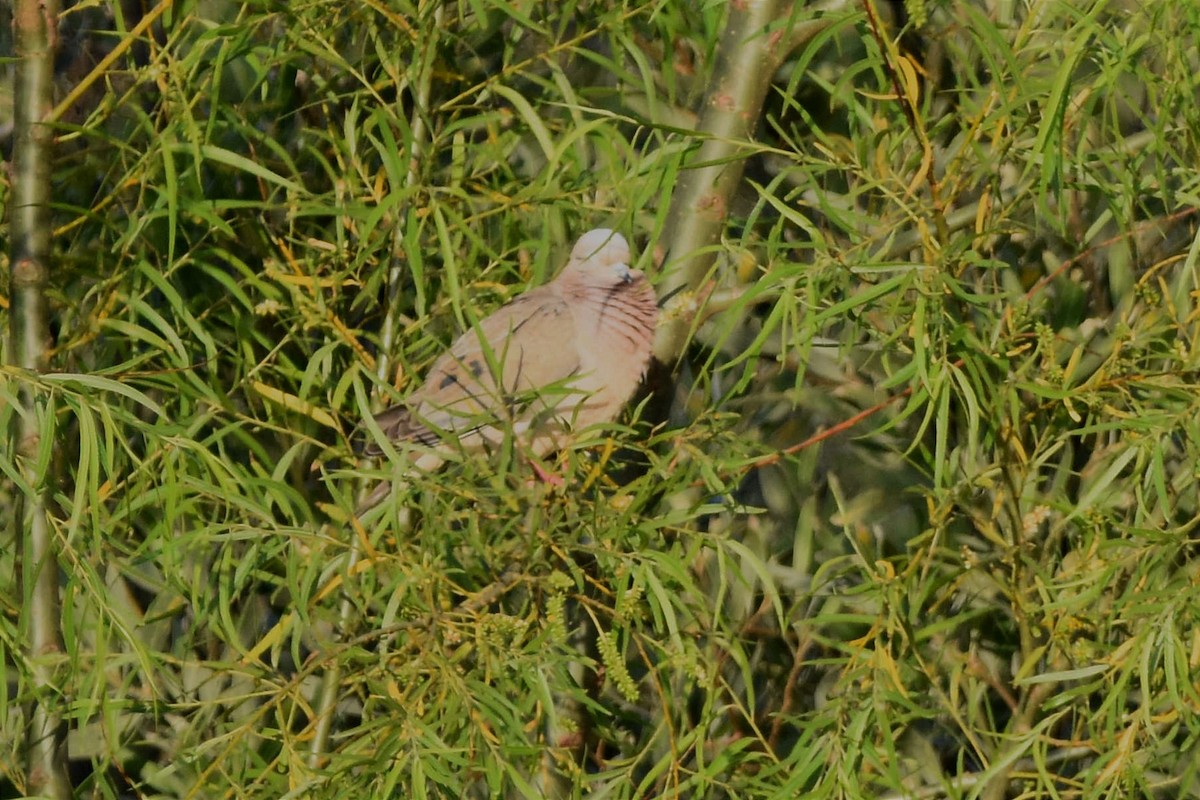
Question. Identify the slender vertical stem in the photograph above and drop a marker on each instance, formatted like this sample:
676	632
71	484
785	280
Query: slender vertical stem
35	28
327	697
417	126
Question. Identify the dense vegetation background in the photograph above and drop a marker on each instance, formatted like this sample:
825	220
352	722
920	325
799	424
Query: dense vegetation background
973	221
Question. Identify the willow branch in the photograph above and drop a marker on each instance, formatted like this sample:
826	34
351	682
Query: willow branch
327	697
758	36
35	29
98	72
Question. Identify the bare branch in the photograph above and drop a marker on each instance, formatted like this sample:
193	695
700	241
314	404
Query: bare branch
34	24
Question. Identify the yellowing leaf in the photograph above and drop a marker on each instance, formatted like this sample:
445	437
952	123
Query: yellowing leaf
293	403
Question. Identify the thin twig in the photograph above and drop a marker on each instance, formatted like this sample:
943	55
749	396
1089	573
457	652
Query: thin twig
327	697
850	422
101	69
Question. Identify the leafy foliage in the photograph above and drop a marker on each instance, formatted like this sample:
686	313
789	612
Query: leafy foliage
974	221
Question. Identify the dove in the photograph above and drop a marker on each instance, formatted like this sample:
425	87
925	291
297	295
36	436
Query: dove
556	359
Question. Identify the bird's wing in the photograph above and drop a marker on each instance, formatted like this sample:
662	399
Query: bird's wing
565	355
488	374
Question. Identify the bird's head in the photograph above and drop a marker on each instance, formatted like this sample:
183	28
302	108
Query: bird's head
603	255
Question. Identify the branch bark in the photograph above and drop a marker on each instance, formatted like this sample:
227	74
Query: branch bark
756	40
35	28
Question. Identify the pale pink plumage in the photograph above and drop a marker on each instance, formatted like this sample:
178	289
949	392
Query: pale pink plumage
558	358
